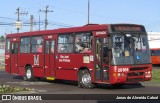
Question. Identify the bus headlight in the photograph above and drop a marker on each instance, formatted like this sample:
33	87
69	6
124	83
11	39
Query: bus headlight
122	74
148	72
119	74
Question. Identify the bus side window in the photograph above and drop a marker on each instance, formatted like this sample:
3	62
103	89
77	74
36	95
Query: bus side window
16	48
36	44
47	47
52	47
25	45
83	43
7	46
39	48
105	50
152	52
78	45
12	49
65	43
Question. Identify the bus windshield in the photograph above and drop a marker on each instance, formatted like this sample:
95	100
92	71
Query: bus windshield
130	48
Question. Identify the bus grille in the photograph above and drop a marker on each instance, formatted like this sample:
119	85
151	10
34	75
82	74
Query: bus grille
135	73
135	69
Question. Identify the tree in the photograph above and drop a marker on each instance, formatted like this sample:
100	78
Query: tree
2	38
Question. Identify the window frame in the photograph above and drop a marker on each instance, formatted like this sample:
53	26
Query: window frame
8	45
88	43
36	44
72	43
25	45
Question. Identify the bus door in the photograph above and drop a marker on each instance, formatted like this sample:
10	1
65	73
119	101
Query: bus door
14	57
50	58
101	60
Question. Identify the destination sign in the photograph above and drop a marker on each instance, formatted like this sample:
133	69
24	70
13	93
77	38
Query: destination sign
127	28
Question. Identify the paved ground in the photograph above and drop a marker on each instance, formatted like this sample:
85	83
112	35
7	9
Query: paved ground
67	87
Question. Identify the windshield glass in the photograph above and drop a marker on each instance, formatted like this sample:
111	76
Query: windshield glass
130	49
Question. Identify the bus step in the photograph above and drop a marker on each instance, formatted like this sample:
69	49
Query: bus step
50	78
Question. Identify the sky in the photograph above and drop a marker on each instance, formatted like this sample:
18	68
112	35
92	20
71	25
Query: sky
70	13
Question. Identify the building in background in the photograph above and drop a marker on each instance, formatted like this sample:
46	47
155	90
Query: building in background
154	43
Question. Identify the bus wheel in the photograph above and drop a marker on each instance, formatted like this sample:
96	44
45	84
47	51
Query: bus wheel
85	79
28	74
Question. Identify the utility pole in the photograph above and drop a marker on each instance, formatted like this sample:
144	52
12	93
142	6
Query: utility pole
18	23
88	10
31	23
46	13
39	19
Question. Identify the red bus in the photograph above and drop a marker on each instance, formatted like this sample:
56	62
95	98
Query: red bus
155	55
154	40
107	54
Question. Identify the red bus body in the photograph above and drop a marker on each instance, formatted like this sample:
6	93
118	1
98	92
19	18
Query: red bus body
154	38
155	55
66	66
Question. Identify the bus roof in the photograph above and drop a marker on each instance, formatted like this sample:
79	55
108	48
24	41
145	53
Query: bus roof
85	28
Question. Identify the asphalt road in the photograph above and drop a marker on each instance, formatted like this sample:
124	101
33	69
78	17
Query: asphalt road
68	87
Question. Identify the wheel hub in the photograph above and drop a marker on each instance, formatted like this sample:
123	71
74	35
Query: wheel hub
86	79
28	74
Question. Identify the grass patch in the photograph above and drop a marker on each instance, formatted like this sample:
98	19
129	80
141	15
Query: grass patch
2	68
156	75
11	89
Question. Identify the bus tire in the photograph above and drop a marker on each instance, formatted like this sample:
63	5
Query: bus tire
84	79
29	74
